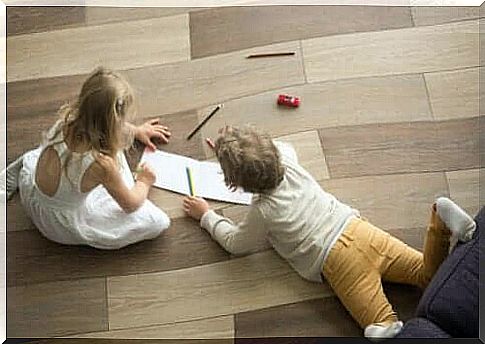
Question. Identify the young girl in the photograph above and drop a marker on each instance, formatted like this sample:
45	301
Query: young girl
76	186
319	236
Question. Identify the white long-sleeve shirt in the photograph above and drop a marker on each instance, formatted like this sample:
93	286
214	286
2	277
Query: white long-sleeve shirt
299	219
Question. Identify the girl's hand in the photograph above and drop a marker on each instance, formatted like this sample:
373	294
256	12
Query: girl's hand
145	174
195	207
109	168
152	129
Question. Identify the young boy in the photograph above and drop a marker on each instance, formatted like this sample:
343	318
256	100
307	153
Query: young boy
320	237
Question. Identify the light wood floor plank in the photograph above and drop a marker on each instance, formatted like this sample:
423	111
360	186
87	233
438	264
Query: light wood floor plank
401	147
219	327
401	201
430	15
454	94
184	86
414	50
101	15
172	88
329	104
220	30
32	259
59	308
253	282
118	46
28	19
465	189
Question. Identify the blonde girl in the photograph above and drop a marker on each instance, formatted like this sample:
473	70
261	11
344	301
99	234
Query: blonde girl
76	186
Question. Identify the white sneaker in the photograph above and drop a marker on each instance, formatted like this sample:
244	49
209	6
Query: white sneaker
9	178
379	331
456	219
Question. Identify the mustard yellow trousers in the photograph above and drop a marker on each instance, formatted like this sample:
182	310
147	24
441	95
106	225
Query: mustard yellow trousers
365	255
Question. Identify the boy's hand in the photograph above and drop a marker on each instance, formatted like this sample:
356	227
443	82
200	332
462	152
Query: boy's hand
152	129
195	207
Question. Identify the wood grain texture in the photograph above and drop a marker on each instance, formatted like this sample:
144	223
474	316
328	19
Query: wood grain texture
17	218
430	15
190	85
325	317
219	327
59	308
413	50
28	19
56	53
98	14
465	189
132	341
168	89
256	281
219	30
329	104
454	94
32	259
391	201
401	147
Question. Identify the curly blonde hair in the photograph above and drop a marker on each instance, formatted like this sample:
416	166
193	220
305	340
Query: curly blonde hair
249	160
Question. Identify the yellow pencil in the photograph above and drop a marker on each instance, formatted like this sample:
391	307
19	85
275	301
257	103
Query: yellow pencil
190	181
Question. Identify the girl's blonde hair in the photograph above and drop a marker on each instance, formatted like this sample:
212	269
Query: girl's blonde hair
249	160
97	117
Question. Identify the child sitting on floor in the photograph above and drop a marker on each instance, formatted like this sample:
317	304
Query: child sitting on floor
319	236
77	186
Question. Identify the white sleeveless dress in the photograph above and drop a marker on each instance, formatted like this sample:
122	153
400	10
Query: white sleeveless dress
93	218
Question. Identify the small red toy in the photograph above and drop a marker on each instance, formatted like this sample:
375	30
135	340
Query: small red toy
287	100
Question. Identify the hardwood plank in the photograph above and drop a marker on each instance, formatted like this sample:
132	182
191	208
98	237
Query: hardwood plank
219	327
256	281
17	218
431	15
167	89
220	30
329	104
465	189
195	84
59	308
41	96
398	202
28	19
96	15
454	94
401	147
414	50
56	53
325	317
32	259
24	134
132	341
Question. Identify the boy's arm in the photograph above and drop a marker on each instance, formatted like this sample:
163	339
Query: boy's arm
245	237
286	150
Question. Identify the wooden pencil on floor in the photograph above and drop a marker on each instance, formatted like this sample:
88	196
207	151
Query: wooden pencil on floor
271	55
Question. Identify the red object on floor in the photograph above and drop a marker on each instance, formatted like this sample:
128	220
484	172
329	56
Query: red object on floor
287	100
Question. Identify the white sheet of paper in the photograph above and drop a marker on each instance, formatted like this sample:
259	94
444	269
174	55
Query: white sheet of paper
208	179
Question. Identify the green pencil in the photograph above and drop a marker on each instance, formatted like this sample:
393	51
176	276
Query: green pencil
190	181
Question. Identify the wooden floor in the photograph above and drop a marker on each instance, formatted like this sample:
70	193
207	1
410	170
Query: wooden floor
388	122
